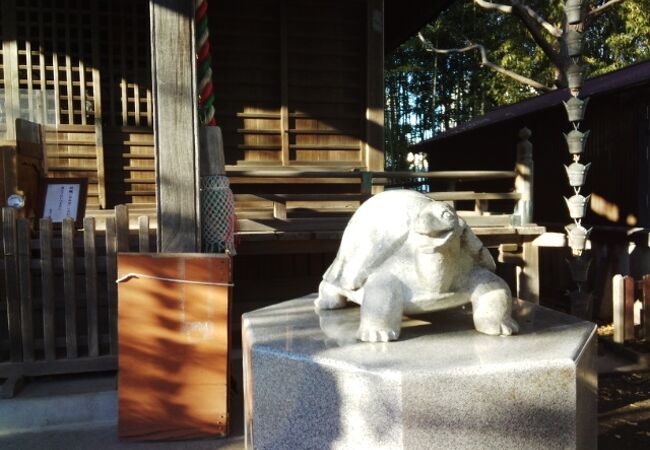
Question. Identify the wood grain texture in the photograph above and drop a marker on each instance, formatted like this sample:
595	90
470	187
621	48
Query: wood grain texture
10	276
374	153
143	234
122	228
10	61
528	274
90	267
25	283
646	307
111	288
47	283
628	320
175	125
69	289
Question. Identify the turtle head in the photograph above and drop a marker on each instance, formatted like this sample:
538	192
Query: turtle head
436	220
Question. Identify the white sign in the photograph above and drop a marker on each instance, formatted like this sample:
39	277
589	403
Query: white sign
61	201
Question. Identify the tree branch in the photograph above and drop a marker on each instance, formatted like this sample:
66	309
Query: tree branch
507	9
534	23
535	30
598	10
487	63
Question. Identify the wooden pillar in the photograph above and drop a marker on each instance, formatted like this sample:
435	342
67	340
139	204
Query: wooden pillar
374	151
524	178
10	59
528	273
97	106
175	125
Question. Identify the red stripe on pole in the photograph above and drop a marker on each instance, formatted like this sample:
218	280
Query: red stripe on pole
206	92
201	10
204	51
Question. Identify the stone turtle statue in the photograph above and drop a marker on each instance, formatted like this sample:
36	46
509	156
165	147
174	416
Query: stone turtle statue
404	253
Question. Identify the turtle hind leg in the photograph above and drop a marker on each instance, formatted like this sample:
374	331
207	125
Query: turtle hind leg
491	304
329	297
381	309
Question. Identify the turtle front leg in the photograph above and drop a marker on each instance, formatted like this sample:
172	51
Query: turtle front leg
491	304
381	309
329	297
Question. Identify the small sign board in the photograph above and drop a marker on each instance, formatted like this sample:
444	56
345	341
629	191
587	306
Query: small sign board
64	197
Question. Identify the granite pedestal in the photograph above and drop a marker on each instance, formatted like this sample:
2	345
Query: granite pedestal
308	383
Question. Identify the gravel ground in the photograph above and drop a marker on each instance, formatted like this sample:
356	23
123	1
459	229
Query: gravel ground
624	410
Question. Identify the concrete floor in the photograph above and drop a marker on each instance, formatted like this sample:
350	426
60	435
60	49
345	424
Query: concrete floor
80	412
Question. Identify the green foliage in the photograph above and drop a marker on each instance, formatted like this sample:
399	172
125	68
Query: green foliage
428	93
619	37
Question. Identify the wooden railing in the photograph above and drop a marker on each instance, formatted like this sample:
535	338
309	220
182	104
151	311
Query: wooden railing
59	298
267	208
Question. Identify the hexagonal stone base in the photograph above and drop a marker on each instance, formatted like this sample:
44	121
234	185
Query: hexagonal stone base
310	384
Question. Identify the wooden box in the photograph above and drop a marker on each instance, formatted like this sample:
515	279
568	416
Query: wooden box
173	328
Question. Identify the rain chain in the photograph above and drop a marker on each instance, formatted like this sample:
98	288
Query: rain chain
576	141
204	65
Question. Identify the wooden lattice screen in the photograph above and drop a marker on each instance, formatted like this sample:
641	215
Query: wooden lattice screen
82	69
291	81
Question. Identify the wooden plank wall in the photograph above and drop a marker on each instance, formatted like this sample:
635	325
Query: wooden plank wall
290	81
70	151
129	152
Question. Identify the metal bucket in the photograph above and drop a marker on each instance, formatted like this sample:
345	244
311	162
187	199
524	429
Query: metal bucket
579	268
574	41
577	236
575	76
574	11
575	108
576	141
577	205
577	173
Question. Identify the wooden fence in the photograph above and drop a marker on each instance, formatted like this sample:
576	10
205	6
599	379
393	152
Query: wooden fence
626	291
59	309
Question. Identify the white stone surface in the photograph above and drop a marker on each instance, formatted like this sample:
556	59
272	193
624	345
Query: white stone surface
403	252
309	384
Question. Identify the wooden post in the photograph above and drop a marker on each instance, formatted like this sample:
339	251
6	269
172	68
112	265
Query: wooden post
143	234
10	60
646	307
175	125
90	266
97	105
528	273
111	286
284	86
618	300
47	283
69	287
25	282
374	151
524	179
629	308
10	278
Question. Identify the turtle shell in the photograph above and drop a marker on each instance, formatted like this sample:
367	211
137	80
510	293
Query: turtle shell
380	227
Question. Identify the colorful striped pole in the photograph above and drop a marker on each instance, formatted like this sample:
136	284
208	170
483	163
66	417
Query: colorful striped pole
204	65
